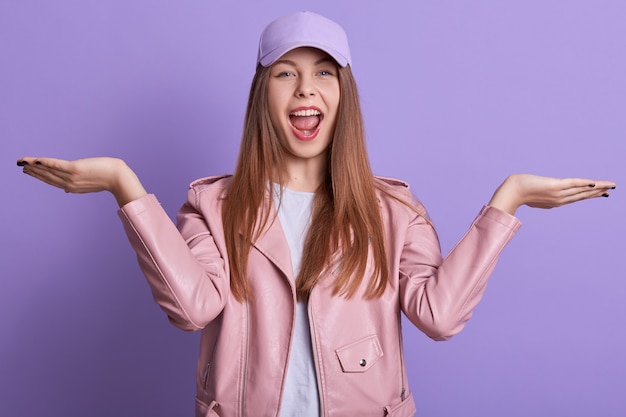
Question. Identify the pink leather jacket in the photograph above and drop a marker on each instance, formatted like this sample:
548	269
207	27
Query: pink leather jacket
357	343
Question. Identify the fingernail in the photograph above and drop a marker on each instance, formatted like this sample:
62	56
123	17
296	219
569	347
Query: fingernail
37	163
21	163
592	185
605	195
613	187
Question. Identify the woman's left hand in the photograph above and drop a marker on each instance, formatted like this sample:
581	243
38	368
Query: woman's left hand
546	192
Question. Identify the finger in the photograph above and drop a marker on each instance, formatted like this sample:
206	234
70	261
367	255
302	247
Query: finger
59	165
579	182
45	176
55	170
577	189
573	197
583	183
43	170
607	185
574	194
30	160
568	196
51	171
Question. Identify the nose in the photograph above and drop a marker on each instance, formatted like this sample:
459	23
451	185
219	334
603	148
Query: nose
305	88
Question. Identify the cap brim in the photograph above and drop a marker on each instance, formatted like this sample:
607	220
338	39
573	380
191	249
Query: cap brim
274	55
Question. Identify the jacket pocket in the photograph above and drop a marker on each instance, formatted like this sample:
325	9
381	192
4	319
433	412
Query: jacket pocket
361	355
204	410
405	408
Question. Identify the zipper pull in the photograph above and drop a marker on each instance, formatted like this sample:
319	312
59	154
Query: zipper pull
403	394
205	375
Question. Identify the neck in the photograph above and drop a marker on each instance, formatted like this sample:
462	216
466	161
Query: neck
305	175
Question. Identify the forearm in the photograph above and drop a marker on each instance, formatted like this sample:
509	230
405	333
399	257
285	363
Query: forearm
187	279
439	296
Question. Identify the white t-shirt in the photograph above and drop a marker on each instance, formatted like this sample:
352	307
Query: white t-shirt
300	396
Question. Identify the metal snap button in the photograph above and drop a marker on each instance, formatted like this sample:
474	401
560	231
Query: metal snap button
362	362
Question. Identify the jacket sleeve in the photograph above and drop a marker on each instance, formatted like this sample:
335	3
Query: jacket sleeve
438	296
184	268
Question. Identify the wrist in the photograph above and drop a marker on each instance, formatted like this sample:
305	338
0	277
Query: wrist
126	187
506	196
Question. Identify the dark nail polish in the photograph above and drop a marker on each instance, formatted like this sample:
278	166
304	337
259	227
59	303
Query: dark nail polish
605	195
37	163
613	187
21	163
592	185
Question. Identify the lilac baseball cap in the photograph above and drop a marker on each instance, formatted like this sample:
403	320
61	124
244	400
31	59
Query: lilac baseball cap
303	29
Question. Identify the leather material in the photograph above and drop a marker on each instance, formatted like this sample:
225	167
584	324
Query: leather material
360	355
245	346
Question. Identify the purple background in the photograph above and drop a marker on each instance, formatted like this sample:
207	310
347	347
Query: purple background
456	96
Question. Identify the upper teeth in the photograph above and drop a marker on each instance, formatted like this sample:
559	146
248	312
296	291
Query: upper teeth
308	112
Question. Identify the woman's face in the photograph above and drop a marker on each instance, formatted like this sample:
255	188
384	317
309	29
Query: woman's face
303	98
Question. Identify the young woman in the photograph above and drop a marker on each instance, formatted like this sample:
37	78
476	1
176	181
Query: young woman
296	268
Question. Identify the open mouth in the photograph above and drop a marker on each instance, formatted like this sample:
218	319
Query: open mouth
306	122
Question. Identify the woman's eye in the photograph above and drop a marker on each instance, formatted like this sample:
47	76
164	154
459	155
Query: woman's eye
285	74
326	73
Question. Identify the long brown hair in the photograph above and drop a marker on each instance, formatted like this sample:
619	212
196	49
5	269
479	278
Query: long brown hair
346	221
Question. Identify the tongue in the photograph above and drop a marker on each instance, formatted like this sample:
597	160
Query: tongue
305	122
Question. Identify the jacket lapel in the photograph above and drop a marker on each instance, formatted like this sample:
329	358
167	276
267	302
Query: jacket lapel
273	245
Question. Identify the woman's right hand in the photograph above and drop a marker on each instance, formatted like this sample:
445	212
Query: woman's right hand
88	175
